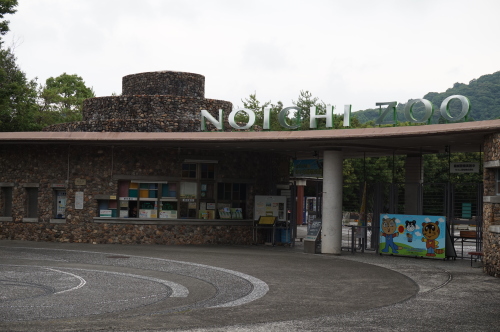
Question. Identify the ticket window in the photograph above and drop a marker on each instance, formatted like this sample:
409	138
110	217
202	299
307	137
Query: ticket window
60	204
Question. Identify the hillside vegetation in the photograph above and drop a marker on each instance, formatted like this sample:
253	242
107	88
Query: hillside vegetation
483	93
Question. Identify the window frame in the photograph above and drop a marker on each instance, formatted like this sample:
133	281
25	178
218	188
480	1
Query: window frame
6	193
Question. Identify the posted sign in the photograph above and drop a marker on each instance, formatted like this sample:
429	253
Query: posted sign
464	167
413	235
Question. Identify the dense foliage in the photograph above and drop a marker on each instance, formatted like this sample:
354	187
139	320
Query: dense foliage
483	93
26	105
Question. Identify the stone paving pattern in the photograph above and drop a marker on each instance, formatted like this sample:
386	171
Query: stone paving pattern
306	292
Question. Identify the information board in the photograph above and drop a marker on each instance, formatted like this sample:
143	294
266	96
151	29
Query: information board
314	230
270	206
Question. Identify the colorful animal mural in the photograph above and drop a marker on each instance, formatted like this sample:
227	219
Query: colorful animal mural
422	236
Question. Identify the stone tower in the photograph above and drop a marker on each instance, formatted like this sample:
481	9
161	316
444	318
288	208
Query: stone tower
162	101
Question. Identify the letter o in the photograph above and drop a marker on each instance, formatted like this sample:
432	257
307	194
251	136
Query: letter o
251	119
445	108
282	117
429	110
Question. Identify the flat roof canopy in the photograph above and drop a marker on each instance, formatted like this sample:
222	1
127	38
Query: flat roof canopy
355	143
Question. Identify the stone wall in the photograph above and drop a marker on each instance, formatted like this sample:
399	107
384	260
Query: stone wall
145	114
164	83
100	168
491	211
127	234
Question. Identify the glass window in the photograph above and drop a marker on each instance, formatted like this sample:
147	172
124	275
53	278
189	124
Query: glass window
60	212
149	199
232	191
32	202
207	171
188	209
207	191
107	208
189	189
189	171
6	202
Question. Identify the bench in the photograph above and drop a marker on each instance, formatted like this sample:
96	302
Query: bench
467	236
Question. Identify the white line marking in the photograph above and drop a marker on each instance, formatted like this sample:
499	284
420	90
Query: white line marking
260	288
82	281
177	289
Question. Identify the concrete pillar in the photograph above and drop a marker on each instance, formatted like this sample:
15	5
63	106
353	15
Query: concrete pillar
331	232
413	178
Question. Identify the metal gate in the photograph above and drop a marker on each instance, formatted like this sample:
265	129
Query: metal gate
460	203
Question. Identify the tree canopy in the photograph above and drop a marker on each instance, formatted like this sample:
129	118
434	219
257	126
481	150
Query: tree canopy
18	96
6	7
24	104
63	96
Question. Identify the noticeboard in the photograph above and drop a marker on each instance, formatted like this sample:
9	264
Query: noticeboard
270	206
413	235
313	231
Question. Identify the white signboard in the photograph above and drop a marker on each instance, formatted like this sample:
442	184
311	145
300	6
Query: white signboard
270	206
79	200
464	167
105	213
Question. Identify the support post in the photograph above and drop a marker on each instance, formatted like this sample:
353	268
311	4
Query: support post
331	233
300	201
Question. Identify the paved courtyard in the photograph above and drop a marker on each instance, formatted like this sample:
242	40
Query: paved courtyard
83	287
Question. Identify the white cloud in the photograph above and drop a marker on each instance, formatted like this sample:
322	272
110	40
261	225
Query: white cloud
344	52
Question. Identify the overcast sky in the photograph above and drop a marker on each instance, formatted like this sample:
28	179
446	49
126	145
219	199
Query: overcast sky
355	52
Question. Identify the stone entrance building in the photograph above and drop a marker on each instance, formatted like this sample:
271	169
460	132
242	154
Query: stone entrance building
138	169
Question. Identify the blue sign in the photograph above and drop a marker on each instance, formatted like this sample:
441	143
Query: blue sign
308	168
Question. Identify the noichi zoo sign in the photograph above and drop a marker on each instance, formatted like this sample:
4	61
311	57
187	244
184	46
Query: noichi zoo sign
328	116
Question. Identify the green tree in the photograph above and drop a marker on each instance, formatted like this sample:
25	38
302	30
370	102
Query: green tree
18	96
304	102
252	103
6	7
62	97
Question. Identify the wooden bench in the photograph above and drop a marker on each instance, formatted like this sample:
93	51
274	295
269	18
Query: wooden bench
467	236
477	254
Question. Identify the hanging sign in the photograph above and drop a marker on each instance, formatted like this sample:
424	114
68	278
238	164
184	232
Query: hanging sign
308	168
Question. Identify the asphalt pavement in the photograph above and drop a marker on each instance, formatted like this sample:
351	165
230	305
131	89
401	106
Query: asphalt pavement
84	287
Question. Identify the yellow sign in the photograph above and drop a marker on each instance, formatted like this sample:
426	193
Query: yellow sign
265	220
